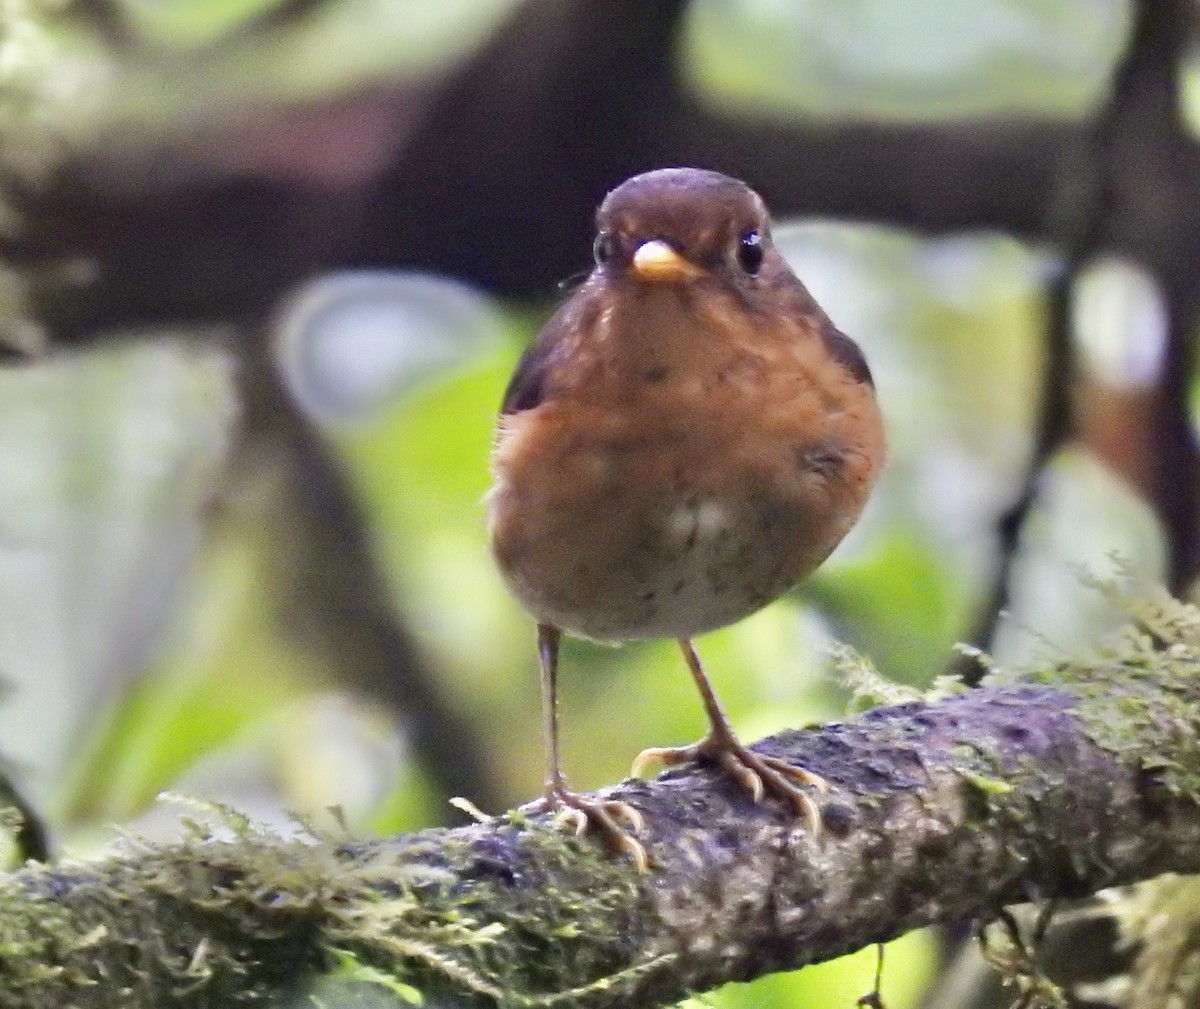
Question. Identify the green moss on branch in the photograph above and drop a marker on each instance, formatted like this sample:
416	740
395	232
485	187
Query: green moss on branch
1059	781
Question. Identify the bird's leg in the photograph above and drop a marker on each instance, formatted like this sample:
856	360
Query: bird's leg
572	808
759	774
548	638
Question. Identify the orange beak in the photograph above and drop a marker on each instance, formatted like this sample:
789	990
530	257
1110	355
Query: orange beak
658	263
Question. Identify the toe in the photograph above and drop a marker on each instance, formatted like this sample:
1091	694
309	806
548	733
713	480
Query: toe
574	819
635	850
627	814
810	811
744	774
665	756
582	816
643	762
798	773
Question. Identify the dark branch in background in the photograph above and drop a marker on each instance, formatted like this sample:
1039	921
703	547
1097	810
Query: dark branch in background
527	163
1046	787
1098	196
1078	221
217	230
341	607
452	192
1177	463
109	23
1153	168
202	239
1052	428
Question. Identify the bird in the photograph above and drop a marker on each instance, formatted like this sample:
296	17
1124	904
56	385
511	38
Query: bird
686	439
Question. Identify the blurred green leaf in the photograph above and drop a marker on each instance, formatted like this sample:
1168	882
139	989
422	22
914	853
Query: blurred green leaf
1083	517
421	470
106	462
226	671
899	602
934	60
193	22
838	984
214	68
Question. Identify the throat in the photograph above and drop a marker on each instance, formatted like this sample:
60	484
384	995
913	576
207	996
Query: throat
657	335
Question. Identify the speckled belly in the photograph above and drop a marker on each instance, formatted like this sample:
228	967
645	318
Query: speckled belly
673	565
716	561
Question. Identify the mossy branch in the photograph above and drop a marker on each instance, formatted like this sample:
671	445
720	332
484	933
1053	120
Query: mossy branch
1057	782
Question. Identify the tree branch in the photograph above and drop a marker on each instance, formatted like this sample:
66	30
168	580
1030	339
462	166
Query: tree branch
1058	782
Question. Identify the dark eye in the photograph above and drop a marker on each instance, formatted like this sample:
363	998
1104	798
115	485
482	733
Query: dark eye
602	248
750	252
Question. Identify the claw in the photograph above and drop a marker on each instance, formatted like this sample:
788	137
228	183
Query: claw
574	819
745	775
636	851
667	756
811	813
757	774
627	813
579	815
798	773
777	773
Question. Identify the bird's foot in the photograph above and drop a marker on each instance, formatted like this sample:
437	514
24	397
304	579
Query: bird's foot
582	815
759	774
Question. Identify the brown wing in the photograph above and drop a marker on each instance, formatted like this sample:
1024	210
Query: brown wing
529	384
847	353
527	387
787	288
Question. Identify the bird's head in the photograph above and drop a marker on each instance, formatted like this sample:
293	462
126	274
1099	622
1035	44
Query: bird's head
682	225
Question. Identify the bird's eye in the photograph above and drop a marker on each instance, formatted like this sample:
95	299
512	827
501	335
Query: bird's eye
750	252
602	248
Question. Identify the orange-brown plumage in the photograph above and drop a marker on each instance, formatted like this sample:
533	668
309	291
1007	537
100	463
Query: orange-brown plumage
688	437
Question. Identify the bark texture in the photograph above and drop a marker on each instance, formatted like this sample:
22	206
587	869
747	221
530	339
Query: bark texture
1054	783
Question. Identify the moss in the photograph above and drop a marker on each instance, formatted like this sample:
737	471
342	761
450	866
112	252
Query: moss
989	786
404	916
1141	701
1137	697
217	908
570	918
515	913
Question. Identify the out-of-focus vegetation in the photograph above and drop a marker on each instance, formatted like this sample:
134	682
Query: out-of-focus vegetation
917	61
144	551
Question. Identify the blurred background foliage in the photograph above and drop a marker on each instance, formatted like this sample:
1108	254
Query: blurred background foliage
253	367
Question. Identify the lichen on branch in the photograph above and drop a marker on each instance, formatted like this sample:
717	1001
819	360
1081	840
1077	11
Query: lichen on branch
1057	781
